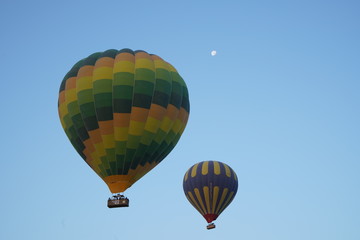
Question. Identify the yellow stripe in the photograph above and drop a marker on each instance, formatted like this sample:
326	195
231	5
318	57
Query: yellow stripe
193	171
124	66
215	197
100	149
182	128
221	200
166	124
227	170
145	63
102	73
83	83
216	168
136	128
152	125
198	196
121	133
177	126
186	175
108	141
171	67
234	175
71	95
193	201
227	202
161	64
96	159
63	111
205	168
207	198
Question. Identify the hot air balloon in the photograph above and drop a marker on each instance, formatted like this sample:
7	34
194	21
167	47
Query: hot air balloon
210	186
123	111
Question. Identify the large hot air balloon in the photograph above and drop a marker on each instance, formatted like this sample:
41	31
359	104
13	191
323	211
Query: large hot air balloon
210	186
123	111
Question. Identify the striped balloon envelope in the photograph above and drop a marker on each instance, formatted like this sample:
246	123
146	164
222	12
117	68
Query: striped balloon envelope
123	111
210	186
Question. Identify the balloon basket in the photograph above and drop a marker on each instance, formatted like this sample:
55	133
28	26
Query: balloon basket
210	226
117	201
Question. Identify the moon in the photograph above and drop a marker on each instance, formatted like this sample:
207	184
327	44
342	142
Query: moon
213	53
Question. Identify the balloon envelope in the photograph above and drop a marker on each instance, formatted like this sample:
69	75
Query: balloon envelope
123	111
210	186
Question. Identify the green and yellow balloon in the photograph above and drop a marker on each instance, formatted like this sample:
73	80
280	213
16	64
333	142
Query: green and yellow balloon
123	111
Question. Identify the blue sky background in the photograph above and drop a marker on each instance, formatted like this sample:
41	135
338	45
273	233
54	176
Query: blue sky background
279	103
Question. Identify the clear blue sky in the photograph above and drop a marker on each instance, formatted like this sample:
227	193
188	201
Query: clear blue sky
279	103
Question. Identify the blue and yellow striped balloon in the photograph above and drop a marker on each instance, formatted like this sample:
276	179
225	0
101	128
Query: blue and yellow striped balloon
210	186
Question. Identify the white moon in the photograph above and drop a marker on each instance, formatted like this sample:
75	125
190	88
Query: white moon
213	53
